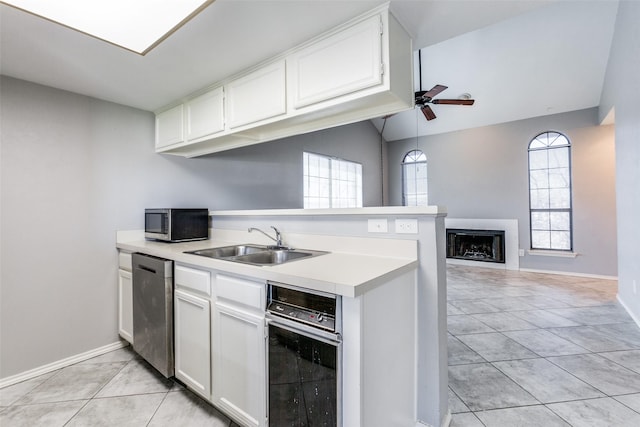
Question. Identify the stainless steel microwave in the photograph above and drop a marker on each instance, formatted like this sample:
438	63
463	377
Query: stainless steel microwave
176	225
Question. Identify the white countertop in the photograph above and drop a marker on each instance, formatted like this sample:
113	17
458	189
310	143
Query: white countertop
342	273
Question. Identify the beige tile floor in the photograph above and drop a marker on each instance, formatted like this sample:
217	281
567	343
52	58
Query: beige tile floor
547	350
524	350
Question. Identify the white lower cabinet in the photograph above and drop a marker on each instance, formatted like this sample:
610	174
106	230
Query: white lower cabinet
125	296
125	305
192	328
239	353
192	342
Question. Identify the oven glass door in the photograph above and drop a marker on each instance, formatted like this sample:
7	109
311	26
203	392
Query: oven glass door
303	379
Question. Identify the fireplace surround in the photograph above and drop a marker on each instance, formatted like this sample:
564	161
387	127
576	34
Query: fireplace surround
511	241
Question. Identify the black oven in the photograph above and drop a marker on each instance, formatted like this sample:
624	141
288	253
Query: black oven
304	358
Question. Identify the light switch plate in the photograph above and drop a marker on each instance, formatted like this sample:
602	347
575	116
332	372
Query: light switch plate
407	226
377	225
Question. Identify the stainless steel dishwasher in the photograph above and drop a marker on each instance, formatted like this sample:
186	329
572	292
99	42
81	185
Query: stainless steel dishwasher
153	311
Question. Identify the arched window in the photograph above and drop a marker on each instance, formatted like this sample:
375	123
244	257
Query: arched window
414	179
550	192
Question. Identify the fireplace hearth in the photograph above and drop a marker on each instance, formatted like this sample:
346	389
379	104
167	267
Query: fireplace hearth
476	245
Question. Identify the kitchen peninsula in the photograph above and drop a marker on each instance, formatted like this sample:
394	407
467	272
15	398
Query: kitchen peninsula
387	267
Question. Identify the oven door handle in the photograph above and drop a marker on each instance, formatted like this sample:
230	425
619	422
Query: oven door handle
331	338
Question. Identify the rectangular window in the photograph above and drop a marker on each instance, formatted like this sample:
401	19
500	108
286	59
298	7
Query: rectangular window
330	182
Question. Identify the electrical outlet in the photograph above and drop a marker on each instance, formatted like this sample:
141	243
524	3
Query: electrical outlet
520	252
407	226
377	225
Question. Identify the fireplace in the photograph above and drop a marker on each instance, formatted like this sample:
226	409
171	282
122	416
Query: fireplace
476	245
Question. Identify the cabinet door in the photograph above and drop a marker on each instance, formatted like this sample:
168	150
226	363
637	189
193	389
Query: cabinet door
345	62
169	127
257	96
193	342
125	305
239	364
205	114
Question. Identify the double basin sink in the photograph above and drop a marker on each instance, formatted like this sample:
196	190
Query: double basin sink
256	254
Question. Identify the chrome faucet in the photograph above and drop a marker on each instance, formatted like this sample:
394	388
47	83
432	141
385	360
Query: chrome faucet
277	239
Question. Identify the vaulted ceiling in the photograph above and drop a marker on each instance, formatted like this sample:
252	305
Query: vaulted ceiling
518	59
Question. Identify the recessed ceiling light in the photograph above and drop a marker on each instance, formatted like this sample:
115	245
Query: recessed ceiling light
136	25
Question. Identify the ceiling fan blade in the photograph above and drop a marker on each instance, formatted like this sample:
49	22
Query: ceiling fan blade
428	113
434	91
453	101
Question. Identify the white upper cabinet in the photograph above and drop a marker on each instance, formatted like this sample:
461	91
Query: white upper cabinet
169	127
257	96
360	70
205	114
345	62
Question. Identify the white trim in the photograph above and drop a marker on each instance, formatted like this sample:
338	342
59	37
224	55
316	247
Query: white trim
570	273
445	422
559	254
63	363
447	419
633	316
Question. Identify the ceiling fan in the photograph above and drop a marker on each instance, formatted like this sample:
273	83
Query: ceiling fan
423	98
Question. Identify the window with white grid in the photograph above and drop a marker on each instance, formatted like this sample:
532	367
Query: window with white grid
550	192
330	182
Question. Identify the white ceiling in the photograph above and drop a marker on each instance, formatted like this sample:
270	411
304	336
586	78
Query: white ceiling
518	58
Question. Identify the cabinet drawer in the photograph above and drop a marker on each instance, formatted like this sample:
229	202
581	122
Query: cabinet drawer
241	291
124	261
191	278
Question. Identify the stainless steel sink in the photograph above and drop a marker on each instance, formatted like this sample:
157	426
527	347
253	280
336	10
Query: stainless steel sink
276	256
228	251
256	255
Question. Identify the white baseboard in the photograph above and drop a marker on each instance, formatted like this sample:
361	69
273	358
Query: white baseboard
633	316
447	419
32	373
569	273
445	422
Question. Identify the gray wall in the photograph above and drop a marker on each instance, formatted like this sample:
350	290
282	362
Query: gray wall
482	173
622	91
75	169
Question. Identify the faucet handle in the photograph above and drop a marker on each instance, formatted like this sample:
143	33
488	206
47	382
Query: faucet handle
278	236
